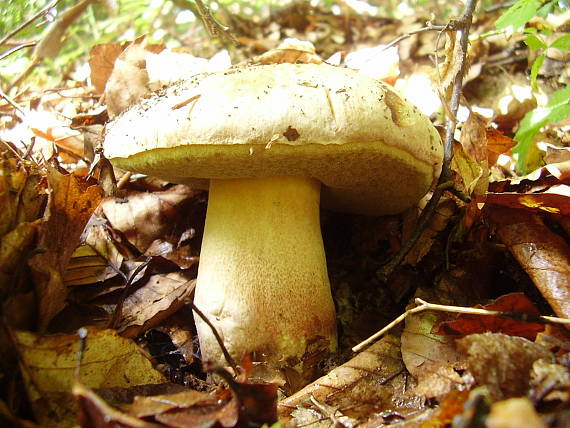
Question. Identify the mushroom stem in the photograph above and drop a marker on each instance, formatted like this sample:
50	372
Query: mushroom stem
262	279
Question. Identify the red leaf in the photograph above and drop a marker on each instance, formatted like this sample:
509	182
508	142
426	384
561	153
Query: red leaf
514	305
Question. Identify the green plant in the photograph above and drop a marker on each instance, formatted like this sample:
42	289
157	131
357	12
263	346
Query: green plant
558	106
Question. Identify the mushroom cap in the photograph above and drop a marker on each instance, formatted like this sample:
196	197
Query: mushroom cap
374	152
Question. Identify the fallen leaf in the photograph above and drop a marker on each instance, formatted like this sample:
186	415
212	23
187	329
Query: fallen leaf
158	298
48	364
96	413
144	217
152	405
544	255
371	379
556	200
101	61
471	176
15	246
129	79
71	203
443	213
97	258
433	360
513	304
502	363
474	138
497	144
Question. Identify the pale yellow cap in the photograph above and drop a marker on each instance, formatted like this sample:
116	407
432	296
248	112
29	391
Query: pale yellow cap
373	152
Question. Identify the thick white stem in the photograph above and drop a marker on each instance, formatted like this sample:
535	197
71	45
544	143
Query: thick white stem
262	279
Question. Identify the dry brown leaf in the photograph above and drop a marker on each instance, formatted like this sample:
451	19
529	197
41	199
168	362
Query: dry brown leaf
370	379
97	258
497	144
474	137
560	170
470	175
48	364
444	211
471	163
452	64
183	255
550	381
159	298
94	412
15	246
432	359
129	79
101	61
512	304
150	406
87	266
143	217
71	203
555	200
502	363
182	339
22	192
544	255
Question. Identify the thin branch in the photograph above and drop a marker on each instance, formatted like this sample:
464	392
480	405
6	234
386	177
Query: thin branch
119	308
227	355
426	306
462	26
13	103
428	27
16	49
39	14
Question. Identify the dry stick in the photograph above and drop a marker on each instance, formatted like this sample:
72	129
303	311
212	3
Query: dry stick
426	306
462	26
212	26
13	103
16	49
41	13
119	308
428	27
227	355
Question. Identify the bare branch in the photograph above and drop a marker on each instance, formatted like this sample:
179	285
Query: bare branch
462	26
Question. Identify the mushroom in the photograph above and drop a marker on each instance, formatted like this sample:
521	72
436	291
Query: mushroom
271	141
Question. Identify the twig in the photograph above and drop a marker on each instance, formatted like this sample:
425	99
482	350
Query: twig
82	333
41	13
426	306
212	26
227	355
16	49
119	308
462	26
428	27
13	103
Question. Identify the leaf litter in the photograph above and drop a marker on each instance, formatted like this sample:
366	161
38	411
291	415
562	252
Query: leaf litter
511	237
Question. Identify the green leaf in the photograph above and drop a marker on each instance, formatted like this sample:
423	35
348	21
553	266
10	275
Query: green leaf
518	14
546	9
562	43
558	108
535	69
534	42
